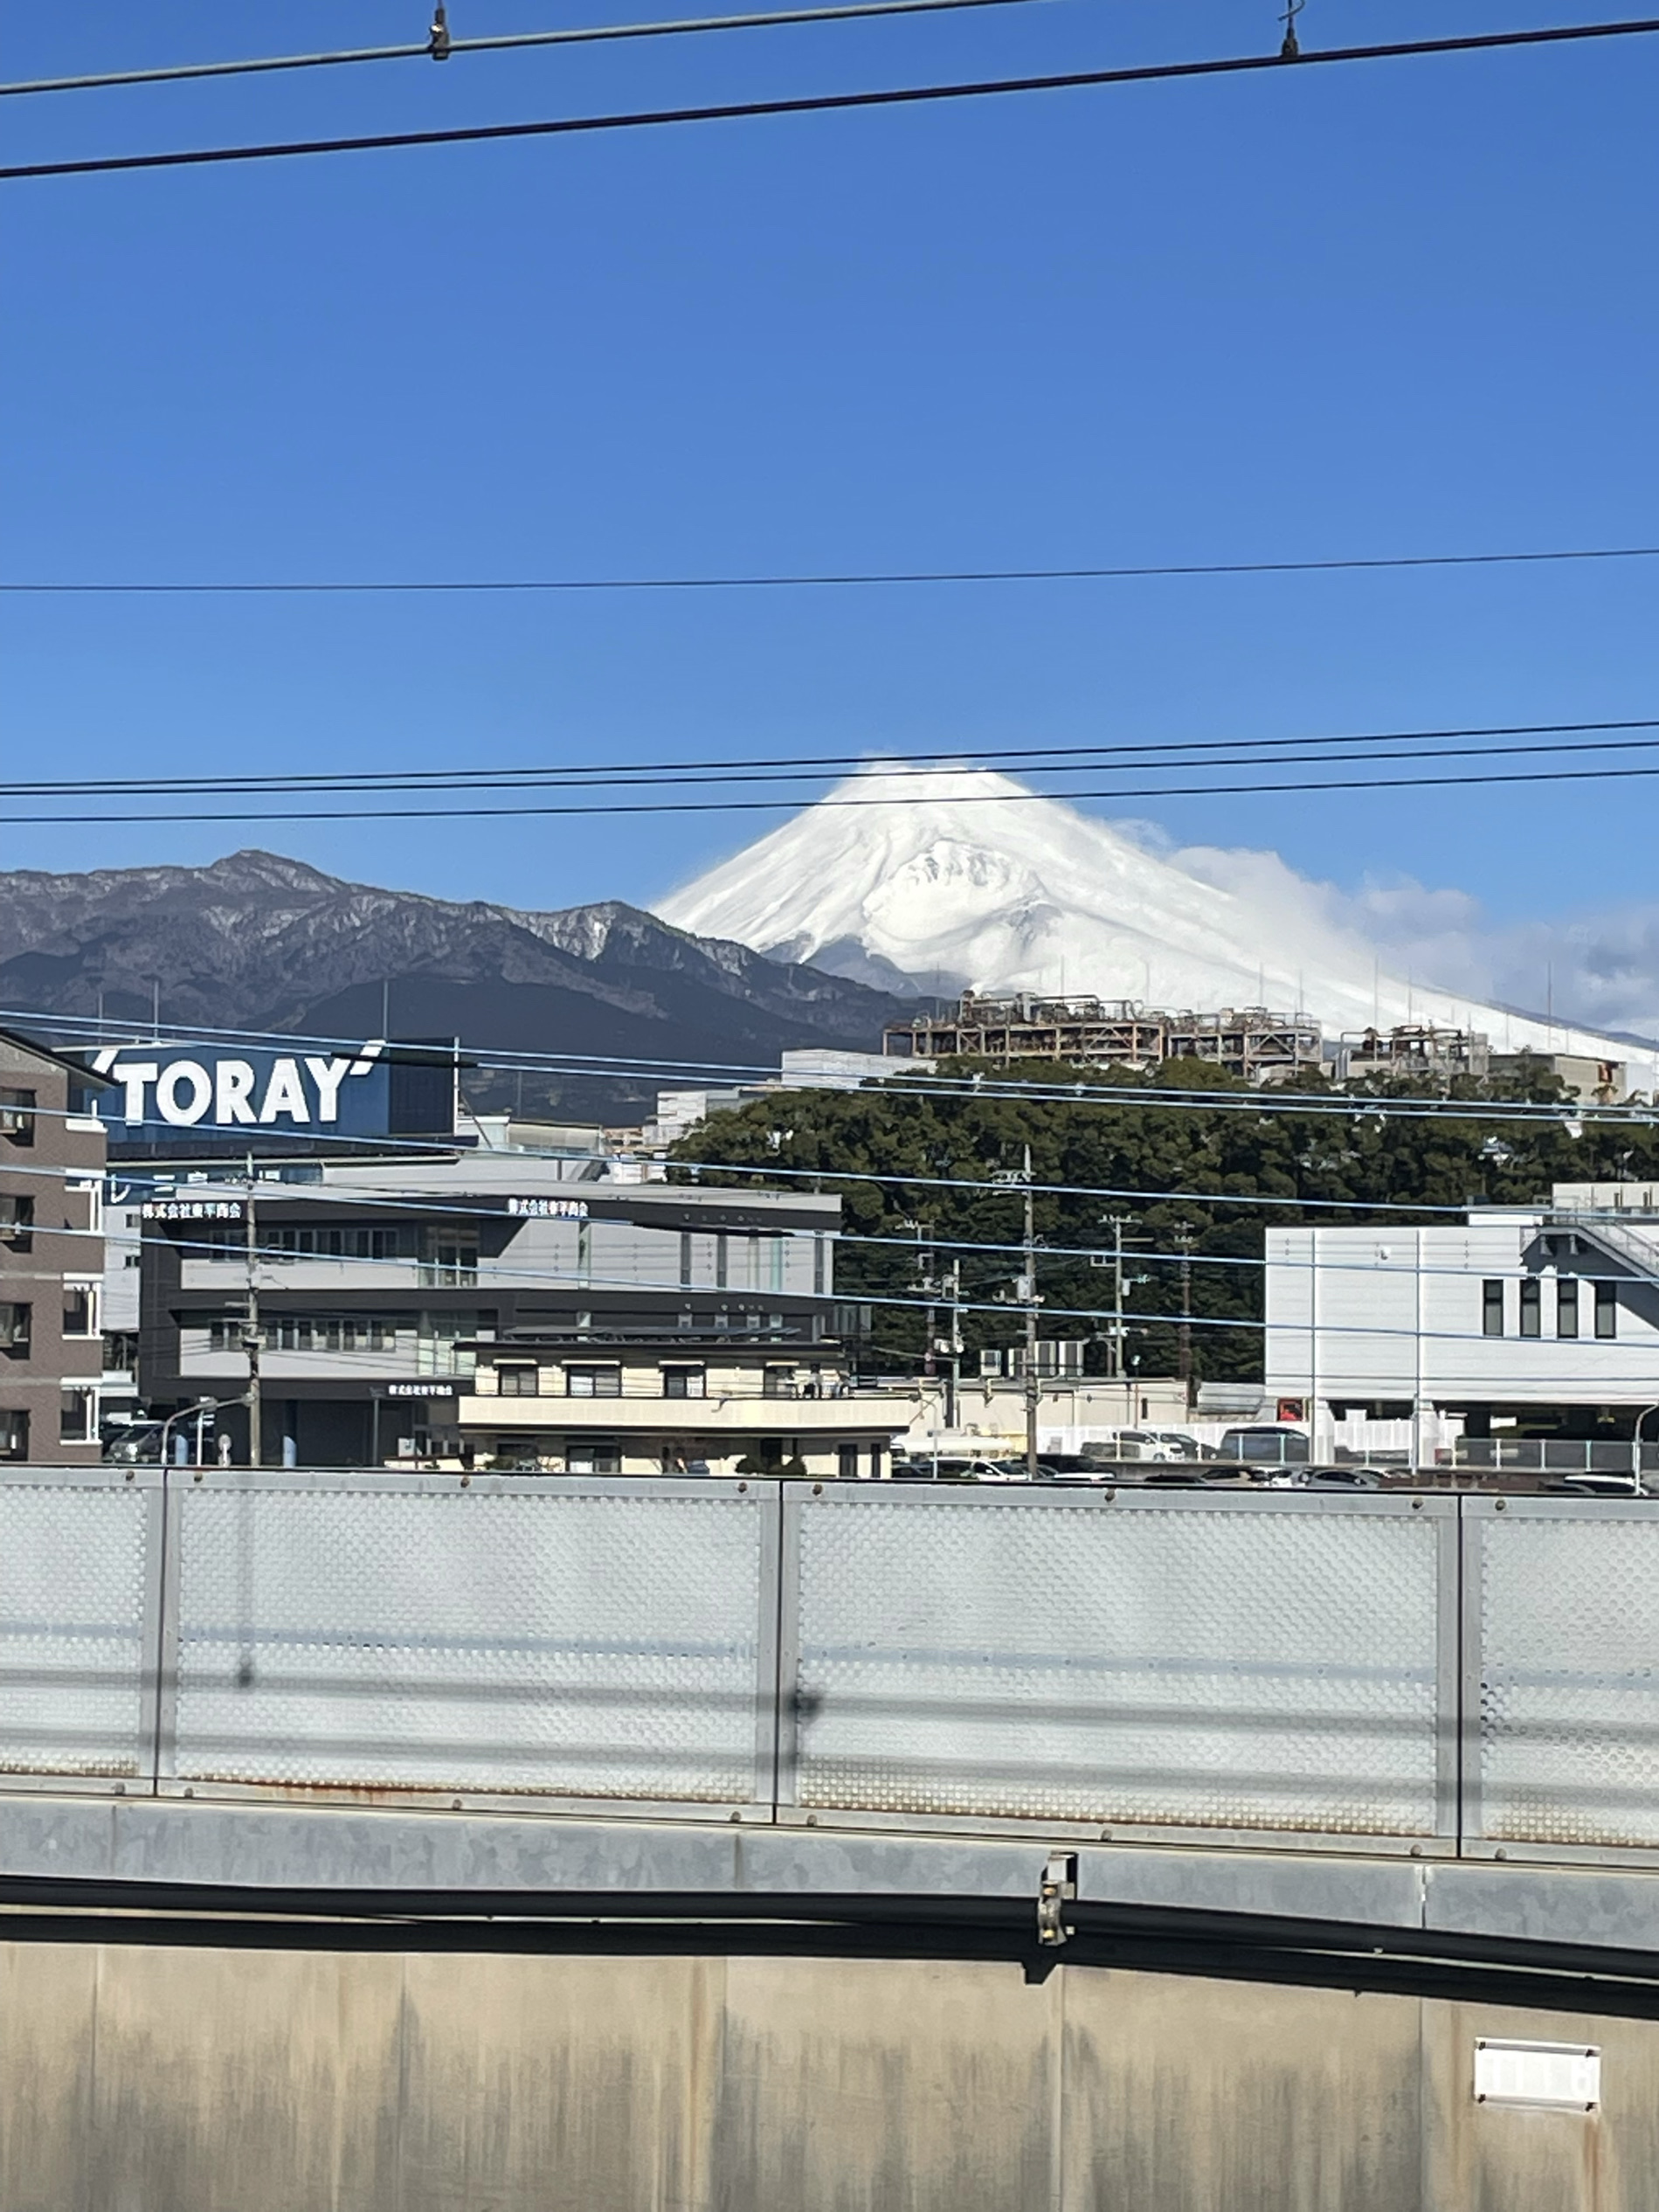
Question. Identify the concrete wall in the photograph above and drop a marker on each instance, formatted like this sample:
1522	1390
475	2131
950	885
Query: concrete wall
141	2080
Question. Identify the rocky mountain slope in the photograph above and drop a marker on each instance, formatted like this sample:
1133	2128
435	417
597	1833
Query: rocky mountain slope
258	942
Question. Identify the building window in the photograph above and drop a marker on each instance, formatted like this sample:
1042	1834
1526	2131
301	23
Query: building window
16	1329
1606	1309
1531	1306
442	1345
821	1274
517	1379
593	1382
14	1433
80	1309
778	1382
685	1259
449	1258
584	1253
321	1332
17	1116
306	1241
684	1382
75	1418
1566	1306
847	1462
722	1259
17	1220
592	1455
1492	1309
121	1351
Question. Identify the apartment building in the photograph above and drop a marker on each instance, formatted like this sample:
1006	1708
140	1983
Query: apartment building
51	1257
685	1403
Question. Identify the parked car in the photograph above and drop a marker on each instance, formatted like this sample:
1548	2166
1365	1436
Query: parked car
1266	1445
1181	1446
956	1468
1070	1466
1135	1444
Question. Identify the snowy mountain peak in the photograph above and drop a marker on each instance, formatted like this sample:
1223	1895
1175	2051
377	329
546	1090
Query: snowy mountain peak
971	881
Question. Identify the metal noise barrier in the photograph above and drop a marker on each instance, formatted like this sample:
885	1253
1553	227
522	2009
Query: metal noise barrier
1429	1674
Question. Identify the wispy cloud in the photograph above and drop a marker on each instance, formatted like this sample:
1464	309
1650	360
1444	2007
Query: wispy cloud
1597	970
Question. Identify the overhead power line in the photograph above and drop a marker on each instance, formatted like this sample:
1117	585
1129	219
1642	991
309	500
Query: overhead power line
788	806
828	578
578	35
822	103
961	1090
1031	759
1046	759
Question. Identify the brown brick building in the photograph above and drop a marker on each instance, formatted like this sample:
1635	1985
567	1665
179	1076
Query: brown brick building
51	1257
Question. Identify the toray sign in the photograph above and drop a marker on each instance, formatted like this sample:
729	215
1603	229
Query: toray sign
171	1087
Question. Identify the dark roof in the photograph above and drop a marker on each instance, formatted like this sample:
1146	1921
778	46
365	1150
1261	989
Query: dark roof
77	1068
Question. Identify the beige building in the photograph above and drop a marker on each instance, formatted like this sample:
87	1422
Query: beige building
52	1258
567	1407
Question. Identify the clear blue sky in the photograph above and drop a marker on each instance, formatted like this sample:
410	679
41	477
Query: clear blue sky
1395	308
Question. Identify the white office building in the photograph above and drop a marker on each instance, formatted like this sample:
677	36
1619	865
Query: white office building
1542	1319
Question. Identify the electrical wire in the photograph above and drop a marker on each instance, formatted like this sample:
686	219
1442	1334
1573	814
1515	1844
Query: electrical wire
1048	760
786	804
1349	1106
843	579
583	34
747	1299
821	103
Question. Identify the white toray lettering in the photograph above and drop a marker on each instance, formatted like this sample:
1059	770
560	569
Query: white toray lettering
233	1101
328	1075
226	1092
135	1079
177	1074
285	1093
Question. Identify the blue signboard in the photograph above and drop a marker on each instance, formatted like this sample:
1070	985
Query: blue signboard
169	1096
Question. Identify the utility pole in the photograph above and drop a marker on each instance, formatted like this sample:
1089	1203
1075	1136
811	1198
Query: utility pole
926	1284
250	1338
1026	1295
1184	1240
1115	1340
1033	1387
953	1381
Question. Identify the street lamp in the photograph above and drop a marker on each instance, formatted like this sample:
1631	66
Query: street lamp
189	1413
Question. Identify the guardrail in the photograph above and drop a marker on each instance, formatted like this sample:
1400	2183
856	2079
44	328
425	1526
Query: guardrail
1428	1674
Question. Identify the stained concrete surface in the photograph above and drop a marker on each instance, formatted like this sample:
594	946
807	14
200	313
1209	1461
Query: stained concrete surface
151	2080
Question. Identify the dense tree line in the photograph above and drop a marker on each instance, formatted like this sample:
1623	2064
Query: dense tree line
1145	1148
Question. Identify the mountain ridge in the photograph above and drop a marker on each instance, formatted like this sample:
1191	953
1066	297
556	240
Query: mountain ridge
255	941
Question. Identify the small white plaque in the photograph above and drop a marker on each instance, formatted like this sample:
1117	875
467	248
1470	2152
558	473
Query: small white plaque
1565	2075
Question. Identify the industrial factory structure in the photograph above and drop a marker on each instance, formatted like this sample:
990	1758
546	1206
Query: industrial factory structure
1259	1044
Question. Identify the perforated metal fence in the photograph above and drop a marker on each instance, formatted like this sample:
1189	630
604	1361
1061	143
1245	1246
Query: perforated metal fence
404	1634
80	1575
1432	1673
1562	1645
1137	1661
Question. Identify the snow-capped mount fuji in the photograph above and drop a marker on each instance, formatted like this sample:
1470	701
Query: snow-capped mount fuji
971	881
